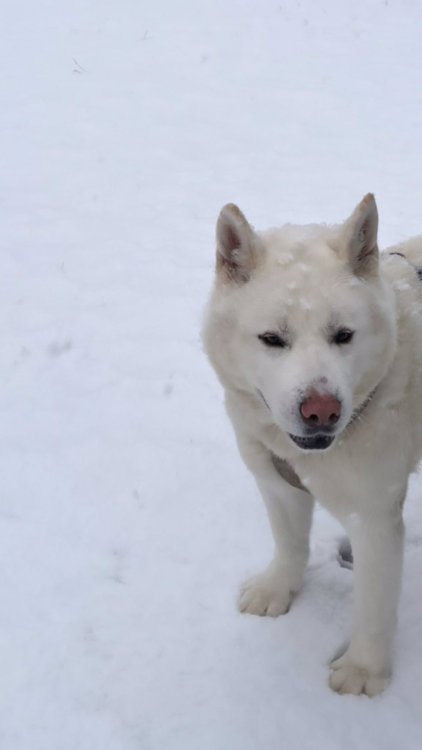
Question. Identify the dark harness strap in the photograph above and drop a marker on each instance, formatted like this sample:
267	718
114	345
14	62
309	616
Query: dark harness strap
418	270
283	468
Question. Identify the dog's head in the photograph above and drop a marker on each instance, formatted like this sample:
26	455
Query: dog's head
301	320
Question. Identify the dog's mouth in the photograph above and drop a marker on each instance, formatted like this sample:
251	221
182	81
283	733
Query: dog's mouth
314	443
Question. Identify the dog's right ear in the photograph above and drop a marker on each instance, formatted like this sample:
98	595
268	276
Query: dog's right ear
236	245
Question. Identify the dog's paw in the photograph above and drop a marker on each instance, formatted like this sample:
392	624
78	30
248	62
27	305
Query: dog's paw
349	678
265	594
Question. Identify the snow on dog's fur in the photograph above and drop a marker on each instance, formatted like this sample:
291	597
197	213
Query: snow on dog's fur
317	341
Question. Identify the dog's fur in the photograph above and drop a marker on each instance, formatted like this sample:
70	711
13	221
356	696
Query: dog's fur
303	285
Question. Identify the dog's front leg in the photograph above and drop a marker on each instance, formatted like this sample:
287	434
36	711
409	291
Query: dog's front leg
290	514
377	544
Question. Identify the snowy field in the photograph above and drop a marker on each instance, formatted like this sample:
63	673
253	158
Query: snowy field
127	519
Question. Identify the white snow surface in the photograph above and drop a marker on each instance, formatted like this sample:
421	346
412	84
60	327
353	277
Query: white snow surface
127	519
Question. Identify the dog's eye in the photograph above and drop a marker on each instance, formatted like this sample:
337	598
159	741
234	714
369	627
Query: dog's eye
272	339
343	336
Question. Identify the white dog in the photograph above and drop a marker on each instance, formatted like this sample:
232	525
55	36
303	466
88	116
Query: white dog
317	340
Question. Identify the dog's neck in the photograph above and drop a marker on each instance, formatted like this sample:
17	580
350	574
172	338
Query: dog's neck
360	409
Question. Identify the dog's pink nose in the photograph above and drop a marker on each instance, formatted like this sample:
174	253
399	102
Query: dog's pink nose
320	410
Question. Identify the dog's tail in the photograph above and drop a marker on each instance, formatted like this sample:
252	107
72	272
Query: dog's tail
345	554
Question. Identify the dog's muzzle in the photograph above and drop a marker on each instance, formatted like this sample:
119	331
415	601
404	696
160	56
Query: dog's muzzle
318	442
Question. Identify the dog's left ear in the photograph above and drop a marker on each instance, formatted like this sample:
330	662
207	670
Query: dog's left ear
360	237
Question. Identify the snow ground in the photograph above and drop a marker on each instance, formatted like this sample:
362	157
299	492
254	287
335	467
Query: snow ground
127	520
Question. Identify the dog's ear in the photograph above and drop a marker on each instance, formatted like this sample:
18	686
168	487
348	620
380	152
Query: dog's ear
361	248
236	245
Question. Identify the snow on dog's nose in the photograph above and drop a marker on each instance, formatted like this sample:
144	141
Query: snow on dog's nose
320	410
